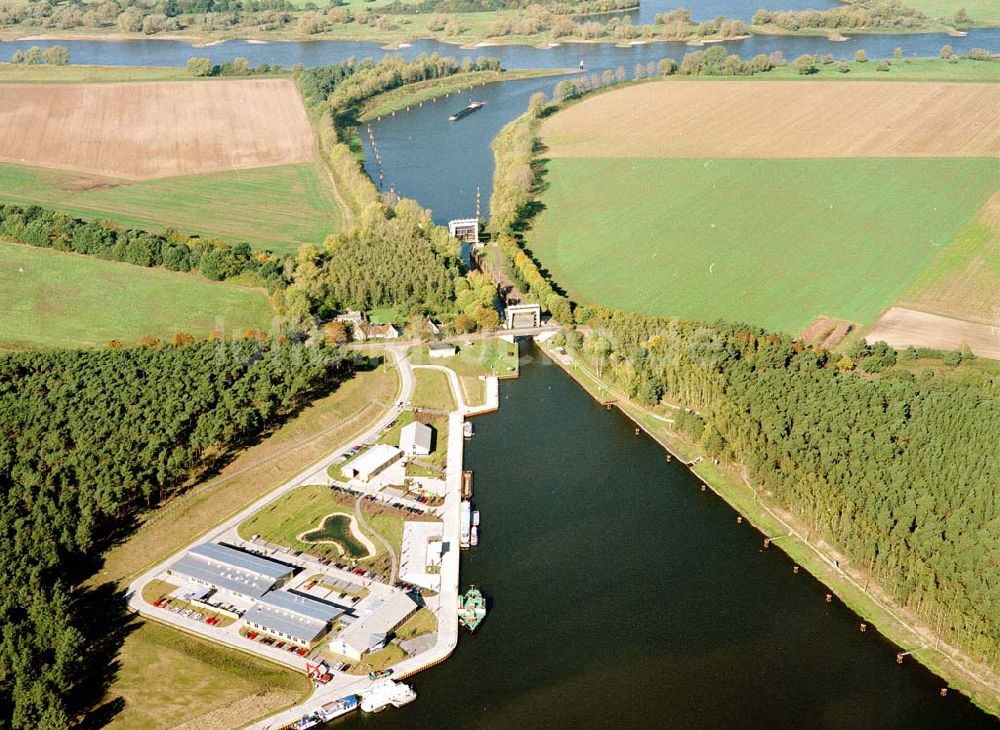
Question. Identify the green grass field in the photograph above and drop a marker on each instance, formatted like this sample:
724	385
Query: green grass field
269	207
45	74
168	678
300	511
907	69
433	391
54	299
986	12
770	242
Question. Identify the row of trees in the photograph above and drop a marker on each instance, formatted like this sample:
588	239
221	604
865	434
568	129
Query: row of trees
584	7
34	56
677	24
898	469
213	258
87	440
201	66
857	14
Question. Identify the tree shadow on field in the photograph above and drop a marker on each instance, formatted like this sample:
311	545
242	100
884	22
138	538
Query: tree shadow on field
528	212
105	621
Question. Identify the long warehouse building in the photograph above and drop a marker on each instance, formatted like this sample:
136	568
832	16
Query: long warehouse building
225	568
294	617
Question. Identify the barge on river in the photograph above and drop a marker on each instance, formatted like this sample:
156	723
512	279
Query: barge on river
473	107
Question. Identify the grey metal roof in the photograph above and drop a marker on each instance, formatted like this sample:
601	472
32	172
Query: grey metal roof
415	434
292	614
376	616
231	569
227	555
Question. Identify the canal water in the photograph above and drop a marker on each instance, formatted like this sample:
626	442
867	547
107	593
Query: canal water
622	596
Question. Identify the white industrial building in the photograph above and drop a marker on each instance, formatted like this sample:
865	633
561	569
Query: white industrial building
225	568
294	617
370	629
371	463
416	439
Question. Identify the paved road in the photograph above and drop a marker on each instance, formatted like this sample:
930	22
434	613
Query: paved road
230	635
445	603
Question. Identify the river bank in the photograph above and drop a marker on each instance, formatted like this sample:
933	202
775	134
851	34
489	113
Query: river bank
823	561
474	39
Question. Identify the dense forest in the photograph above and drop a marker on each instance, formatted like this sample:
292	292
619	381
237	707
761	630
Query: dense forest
392	257
897	467
87	440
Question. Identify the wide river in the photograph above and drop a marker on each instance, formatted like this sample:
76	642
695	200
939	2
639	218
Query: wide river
622	596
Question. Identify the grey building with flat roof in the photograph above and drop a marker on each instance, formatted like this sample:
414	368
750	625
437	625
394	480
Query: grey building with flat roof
294	617
225	568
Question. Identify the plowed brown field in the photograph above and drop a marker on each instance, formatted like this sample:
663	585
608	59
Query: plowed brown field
901	327
150	130
775	119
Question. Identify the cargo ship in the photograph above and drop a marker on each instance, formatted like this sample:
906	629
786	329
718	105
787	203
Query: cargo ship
385	692
472	608
473	107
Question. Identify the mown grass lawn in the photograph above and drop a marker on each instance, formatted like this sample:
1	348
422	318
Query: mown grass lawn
302	509
277	208
168	678
54	299
433	391
770	242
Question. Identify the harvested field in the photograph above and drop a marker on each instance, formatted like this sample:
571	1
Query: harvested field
826	332
901	327
837	335
781	119
963	278
818	329
150	130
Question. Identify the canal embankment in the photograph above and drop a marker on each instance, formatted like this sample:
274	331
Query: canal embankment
782	529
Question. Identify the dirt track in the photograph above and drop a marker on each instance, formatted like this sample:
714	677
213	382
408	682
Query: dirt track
781	119
901	327
149	130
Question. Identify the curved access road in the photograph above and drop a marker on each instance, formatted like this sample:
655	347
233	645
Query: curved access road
314	474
